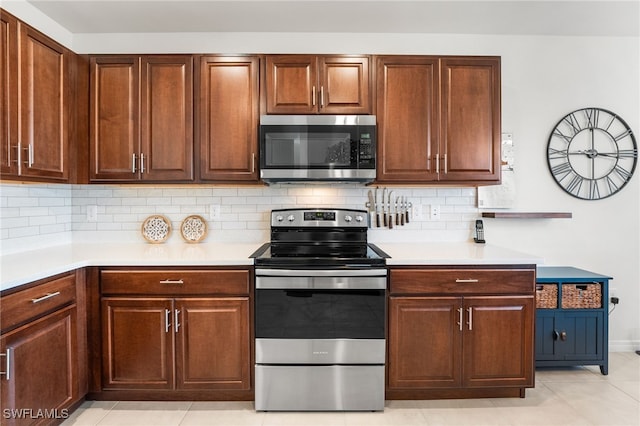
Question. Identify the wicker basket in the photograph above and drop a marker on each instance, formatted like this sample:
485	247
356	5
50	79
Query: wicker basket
581	296
546	296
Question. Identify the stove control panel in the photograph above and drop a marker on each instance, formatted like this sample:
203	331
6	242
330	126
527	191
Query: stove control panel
320	217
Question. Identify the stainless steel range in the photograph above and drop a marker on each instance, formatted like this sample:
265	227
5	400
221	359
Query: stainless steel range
319	313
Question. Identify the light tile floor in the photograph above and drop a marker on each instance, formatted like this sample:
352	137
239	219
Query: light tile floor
562	396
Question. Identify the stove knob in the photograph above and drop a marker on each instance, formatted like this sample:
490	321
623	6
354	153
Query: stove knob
359	218
291	218
348	218
279	218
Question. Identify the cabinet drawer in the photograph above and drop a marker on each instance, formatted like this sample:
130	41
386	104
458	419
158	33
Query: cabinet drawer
173	282
463	281
22	306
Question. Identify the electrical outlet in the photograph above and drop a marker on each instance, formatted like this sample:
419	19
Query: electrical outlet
92	213
214	211
416	212
435	212
613	292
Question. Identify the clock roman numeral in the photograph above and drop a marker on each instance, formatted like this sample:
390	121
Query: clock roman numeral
561	170
593	114
575	184
610	184
558	154
623	135
561	135
624	174
628	153
594	190
572	121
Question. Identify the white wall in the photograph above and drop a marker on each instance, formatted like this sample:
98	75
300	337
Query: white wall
543	78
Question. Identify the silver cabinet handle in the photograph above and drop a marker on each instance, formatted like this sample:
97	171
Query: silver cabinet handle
141	163
7	364
445	164
30	155
167	320
18	154
17	160
460	318
253	162
45	297
468	280
321	96
133	163
437	164
470	311
29	149
313	96
176	313
172	282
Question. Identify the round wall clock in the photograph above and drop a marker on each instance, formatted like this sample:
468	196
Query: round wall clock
592	153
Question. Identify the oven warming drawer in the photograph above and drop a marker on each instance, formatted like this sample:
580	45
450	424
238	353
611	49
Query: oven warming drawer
319	388
320	351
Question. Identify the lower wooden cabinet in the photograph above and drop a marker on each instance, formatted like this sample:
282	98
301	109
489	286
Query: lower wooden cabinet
461	331
174	334
43	366
206	339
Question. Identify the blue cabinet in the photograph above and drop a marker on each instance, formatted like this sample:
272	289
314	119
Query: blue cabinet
571	317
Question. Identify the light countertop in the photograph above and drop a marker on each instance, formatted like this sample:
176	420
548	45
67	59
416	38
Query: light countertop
457	253
22	268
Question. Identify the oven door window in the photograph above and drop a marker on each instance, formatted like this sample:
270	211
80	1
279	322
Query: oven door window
320	314
308	150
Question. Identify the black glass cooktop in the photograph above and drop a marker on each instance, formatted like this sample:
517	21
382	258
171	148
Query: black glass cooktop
319	255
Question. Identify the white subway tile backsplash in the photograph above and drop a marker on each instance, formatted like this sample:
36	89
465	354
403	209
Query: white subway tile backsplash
34	214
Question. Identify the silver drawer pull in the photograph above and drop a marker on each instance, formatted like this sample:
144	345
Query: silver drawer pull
468	280
171	282
45	297
7	364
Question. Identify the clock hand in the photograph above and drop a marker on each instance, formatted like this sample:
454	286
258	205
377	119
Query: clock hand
592	153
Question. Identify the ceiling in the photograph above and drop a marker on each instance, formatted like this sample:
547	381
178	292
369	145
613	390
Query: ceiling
517	17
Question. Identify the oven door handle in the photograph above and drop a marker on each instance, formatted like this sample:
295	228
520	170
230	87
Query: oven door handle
375	272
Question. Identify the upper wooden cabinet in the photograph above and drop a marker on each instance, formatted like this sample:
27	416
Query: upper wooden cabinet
9	95
141	113
36	96
308	84
228	118
438	119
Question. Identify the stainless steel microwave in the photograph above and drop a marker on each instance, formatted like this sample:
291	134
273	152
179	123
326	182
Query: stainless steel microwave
328	148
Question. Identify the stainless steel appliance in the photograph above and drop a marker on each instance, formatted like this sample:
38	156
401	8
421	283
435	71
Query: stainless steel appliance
319	314
338	148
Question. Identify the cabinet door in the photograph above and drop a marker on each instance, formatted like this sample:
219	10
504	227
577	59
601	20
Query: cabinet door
166	119
44	111
344	85
43	367
407	113
229	118
137	343
470	112
546	335
579	335
292	84
498	341
114	115
213	347
425	342
8	95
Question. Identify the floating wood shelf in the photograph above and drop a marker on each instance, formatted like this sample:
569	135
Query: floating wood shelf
527	215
